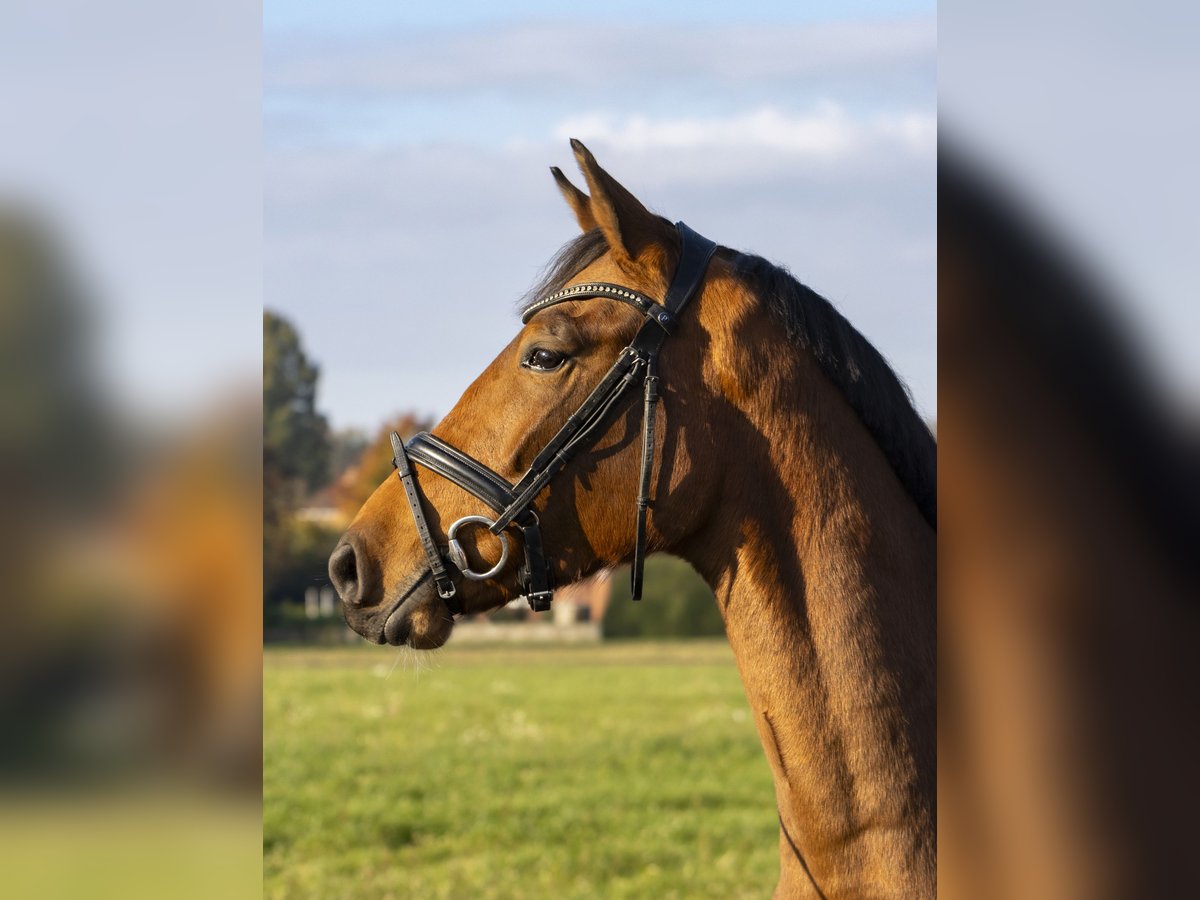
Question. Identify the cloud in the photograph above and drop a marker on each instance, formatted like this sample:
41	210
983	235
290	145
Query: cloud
548	59
828	133
407	192
368	249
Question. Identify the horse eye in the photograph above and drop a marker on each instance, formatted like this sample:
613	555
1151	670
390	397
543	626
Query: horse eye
544	360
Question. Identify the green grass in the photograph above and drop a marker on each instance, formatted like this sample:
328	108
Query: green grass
614	770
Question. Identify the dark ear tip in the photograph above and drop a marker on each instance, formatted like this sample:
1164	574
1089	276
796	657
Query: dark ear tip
556	172
577	144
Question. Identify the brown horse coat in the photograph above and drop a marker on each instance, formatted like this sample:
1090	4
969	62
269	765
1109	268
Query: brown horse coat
792	473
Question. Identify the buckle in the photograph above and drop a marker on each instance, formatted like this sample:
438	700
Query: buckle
539	601
663	317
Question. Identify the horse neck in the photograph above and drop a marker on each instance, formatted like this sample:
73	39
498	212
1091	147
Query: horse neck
824	571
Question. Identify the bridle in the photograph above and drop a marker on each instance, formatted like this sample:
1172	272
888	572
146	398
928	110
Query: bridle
513	503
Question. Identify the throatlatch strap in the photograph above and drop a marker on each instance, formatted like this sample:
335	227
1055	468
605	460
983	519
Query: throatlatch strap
643	498
536	576
437	567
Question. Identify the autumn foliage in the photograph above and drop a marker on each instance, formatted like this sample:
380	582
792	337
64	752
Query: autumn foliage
358	482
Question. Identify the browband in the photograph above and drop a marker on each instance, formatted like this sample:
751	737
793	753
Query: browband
636	299
513	503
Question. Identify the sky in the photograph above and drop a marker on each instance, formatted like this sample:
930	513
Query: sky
408	203
333	158
1086	112
133	134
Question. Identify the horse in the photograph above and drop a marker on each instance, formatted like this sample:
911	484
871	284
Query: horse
787	466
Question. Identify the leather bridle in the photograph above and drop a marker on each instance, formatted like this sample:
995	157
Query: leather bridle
513	503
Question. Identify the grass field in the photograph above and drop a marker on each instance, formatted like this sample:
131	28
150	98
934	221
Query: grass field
611	770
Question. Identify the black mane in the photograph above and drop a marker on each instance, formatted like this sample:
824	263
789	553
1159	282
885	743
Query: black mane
856	368
571	259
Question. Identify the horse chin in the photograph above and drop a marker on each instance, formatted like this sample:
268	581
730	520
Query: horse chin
422	622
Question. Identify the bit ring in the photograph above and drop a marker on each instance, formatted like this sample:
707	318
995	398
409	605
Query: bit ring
459	557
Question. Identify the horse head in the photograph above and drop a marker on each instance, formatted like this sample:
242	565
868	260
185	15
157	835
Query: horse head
517	405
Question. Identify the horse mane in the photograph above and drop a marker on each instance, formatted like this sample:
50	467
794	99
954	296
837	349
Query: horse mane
849	361
873	390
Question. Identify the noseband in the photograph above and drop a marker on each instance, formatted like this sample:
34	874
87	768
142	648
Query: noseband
636	365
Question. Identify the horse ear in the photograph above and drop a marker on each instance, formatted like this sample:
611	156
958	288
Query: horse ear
629	227
579	202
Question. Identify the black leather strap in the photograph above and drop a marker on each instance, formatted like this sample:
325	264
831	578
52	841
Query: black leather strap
694	254
574	434
477	479
591	289
536	575
468	473
637	363
437	567
649	414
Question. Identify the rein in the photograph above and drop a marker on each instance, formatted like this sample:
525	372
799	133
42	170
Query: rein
636	365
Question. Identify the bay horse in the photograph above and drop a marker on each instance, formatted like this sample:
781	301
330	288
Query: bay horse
790	470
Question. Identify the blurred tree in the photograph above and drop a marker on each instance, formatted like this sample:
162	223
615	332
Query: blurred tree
296	456
346	446
295	551
278	502
296	441
676	602
302	560
50	401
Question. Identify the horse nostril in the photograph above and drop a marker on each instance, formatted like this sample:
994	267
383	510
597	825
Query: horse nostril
343	572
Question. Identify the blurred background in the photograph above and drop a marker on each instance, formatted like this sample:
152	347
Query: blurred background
1068	227
603	749
130	292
